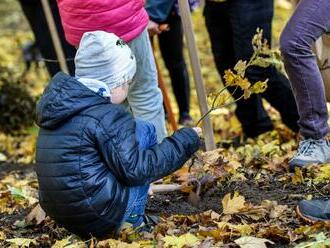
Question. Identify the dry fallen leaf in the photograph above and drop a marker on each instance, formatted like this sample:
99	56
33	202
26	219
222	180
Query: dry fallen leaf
37	214
21	242
233	205
298	177
181	241
252	242
2	235
112	243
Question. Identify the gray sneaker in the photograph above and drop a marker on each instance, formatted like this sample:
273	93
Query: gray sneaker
314	210
311	151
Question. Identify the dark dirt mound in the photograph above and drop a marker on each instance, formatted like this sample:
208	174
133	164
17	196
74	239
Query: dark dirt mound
178	203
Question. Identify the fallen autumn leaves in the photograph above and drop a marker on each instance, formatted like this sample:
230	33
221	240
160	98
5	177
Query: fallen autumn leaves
242	197
230	197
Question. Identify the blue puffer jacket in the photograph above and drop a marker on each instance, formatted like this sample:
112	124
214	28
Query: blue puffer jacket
159	10
88	157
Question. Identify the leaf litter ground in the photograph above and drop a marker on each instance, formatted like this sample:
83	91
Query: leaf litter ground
232	197
224	196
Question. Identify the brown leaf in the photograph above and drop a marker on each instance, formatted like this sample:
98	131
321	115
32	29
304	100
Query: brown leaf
37	215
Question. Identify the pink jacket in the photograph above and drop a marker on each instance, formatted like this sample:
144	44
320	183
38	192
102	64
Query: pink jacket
125	18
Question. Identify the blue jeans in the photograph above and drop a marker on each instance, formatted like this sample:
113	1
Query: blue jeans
144	97
231	26
310	21
146	136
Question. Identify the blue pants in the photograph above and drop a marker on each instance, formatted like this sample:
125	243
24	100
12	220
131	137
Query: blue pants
146	136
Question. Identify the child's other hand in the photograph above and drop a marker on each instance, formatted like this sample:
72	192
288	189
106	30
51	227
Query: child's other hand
198	130
153	28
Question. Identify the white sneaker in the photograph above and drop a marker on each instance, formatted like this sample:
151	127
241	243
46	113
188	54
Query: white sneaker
311	151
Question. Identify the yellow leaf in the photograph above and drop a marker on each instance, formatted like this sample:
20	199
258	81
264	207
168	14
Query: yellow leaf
2	235
112	243
62	243
243	83
187	239
259	87
21	242
233	205
232	166
323	174
243	229
229	77
298	177
252	242
240	68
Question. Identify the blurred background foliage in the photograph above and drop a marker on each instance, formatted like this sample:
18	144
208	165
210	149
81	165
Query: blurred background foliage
19	87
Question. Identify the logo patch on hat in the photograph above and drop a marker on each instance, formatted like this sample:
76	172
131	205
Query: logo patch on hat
121	43
101	91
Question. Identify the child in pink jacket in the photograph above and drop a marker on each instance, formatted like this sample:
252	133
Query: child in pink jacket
128	20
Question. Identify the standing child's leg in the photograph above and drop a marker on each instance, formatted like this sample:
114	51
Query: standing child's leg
146	136
145	98
310	20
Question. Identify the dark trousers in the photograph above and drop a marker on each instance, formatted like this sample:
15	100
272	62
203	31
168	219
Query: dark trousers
35	15
231	26
171	47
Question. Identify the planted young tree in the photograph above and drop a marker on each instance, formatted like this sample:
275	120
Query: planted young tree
263	56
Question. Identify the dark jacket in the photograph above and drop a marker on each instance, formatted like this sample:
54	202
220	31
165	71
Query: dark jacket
159	10
88	157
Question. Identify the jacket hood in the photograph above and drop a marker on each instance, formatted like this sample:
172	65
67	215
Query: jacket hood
63	98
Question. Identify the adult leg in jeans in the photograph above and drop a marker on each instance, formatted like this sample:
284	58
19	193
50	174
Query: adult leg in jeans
34	13
146	136
250	112
145	98
245	17
171	47
310	20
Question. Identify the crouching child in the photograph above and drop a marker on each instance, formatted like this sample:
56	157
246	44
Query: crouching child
94	160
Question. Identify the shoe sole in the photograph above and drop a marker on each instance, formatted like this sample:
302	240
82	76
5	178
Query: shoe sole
300	215
309	219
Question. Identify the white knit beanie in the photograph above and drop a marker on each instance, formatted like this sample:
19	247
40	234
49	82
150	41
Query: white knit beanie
105	57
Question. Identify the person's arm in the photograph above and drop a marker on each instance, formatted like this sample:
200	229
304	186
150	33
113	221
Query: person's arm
132	166
159	10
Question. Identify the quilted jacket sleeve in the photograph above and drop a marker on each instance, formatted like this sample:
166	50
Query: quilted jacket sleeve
133	166
159	10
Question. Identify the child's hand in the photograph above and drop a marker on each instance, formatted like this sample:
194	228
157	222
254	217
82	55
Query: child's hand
198	130
153	28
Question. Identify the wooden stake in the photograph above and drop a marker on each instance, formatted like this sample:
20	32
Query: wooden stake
55	36
157	188
196	68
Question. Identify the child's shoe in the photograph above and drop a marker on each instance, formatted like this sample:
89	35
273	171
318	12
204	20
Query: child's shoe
314	210
311	151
